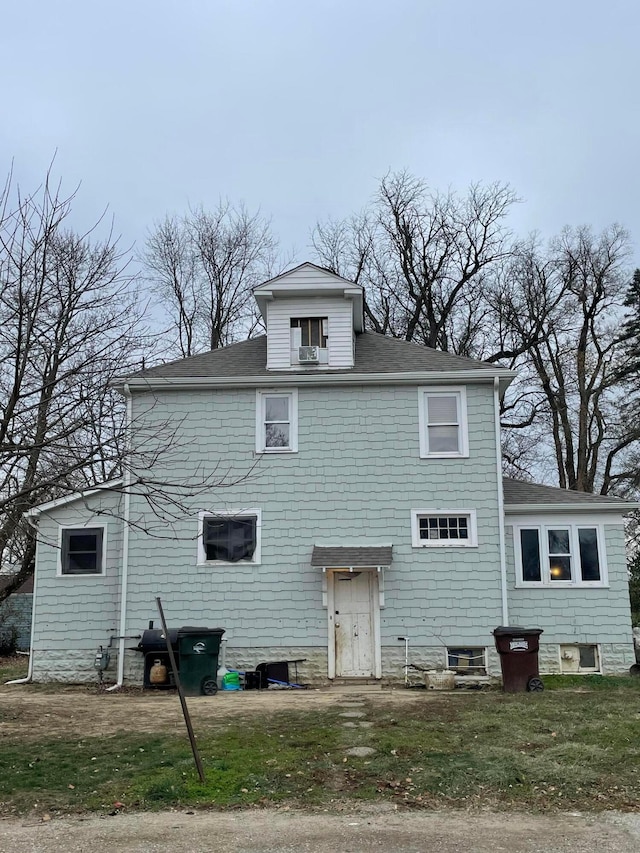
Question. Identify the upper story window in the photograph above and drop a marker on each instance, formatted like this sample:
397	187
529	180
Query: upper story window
314	331
443	422
81	550
277	421
229	537
560	555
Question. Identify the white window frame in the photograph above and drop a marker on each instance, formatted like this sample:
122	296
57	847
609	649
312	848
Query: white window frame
587	670
472	526
573	525
230	513
460	393
261	397
80	527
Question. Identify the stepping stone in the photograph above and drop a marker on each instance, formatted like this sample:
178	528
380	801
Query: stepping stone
351	725
361	751
352	714
365	724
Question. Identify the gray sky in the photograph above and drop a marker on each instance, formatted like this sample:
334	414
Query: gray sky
299	107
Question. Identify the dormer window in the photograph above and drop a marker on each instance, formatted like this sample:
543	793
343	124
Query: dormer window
313	331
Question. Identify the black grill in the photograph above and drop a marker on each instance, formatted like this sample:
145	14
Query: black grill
153	640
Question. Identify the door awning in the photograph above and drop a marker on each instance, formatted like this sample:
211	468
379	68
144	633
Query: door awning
330	557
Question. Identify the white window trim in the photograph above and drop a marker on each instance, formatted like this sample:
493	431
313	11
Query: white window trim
88	524
470	675
586	670
573	524
261	396
416	542
230	513
423	424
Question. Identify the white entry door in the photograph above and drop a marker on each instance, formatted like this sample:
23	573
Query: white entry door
353	597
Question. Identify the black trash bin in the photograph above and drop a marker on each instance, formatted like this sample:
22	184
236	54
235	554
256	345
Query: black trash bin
518	649
199	649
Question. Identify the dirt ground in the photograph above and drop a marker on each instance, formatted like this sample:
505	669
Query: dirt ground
344	829
24	708
379	830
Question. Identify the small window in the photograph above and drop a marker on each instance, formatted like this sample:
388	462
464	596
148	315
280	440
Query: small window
81	551
555	555
443	528
443	428
276	422
579	658
313	330
229	537
467	661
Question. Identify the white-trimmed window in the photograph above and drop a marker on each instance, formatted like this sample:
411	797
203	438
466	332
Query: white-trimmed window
443	422
82	550
229	537
560	555
443	528
579	658
277	421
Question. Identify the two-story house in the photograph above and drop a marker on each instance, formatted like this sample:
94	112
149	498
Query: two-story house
359	500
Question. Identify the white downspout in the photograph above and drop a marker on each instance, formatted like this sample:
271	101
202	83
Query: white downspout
126	516
503	556
29	675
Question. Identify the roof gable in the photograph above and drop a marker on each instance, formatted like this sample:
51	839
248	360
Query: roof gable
306	281
306	272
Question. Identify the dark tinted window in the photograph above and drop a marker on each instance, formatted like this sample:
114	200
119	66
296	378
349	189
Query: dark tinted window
530	549
229	539
82	551
589	560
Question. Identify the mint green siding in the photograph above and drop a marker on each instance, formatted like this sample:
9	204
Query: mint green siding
593	615
355	480
75	615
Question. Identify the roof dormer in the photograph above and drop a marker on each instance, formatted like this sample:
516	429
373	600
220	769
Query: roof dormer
311	316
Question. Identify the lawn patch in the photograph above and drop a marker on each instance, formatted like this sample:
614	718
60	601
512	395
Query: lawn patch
555	750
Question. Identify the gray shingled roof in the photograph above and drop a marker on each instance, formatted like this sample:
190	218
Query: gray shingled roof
374	354
519	493
347	557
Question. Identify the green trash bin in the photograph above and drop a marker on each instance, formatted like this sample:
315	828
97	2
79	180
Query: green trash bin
199	649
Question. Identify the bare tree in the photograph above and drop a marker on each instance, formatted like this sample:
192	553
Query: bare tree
202	266
573	402
445	271
68	325
427	260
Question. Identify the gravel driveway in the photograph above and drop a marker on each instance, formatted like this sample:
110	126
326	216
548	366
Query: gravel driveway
364	831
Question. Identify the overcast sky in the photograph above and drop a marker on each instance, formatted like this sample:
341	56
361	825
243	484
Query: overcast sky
299	107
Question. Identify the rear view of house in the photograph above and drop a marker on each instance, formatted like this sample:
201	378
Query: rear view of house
320	492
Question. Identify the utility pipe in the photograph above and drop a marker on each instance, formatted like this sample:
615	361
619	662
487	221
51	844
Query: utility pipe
501	533
126	517
405	640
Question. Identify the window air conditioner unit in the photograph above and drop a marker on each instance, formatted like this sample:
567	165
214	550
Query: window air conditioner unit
308	355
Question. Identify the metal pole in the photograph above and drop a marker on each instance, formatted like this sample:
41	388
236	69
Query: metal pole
183	701
406	658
